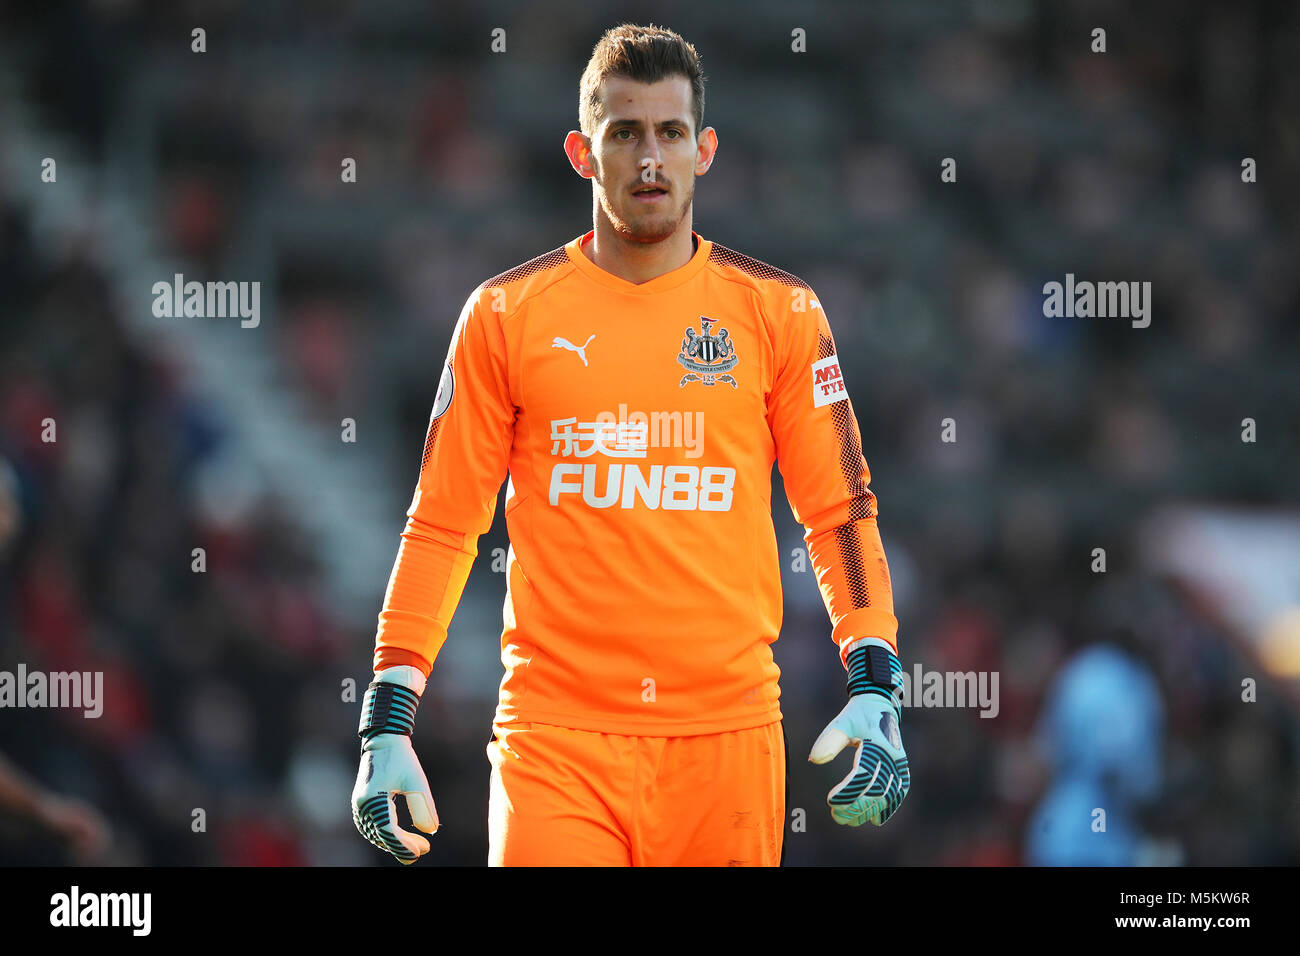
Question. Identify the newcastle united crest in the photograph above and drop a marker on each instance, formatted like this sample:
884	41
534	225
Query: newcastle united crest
707	356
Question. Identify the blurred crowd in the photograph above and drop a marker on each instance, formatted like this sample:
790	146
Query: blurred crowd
212	679
226	689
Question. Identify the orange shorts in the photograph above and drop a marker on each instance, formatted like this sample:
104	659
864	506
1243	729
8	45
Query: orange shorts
562	797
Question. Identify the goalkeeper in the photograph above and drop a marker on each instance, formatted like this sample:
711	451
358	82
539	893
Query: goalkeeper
639	720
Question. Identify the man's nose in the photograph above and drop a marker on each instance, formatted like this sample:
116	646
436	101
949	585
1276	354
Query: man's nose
651	161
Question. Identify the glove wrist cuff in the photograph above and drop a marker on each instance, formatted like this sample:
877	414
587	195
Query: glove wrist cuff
389	704
874	669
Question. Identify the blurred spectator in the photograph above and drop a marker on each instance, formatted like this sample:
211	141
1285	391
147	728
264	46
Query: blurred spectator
1104	733
76	823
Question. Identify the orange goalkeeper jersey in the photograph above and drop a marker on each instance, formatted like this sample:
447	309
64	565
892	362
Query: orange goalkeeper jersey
638	425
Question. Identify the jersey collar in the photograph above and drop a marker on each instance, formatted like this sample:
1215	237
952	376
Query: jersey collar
668	280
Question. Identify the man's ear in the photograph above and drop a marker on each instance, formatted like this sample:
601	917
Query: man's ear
578	148
707	148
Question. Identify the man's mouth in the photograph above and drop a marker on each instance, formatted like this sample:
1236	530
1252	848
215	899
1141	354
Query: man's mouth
649	193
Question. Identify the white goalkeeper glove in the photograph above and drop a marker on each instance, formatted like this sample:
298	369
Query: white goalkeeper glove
389	766
880	777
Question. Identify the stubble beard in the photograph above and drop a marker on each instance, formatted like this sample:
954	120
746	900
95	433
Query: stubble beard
645	227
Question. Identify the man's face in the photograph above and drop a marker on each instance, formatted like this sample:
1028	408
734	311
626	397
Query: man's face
644	156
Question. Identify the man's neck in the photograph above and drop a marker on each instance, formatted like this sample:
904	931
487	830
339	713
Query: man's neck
639	262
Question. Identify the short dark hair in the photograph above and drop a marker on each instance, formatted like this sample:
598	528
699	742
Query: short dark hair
645	54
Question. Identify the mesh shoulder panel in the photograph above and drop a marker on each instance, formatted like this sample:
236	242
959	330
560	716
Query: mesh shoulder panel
721	255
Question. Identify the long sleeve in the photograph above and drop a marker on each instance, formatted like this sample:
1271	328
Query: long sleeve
819	453
466	458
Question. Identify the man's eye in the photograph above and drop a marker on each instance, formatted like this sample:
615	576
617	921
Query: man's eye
677	134
619	133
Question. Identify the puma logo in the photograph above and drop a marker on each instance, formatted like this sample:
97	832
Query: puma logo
560	342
